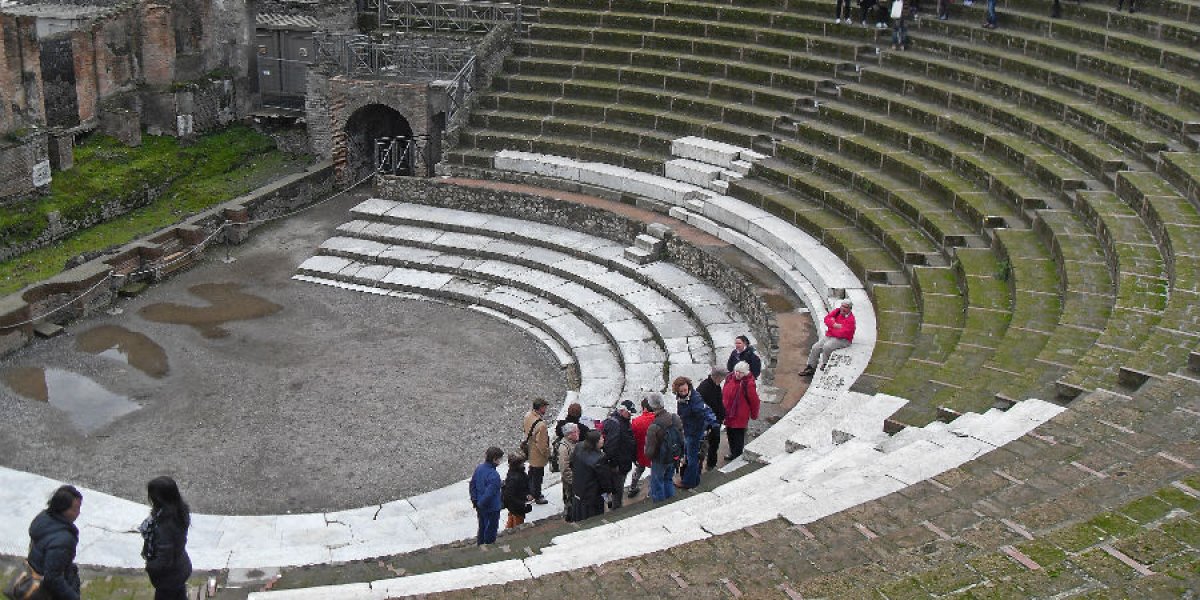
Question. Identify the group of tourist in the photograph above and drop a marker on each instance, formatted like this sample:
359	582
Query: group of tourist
49	572
595	461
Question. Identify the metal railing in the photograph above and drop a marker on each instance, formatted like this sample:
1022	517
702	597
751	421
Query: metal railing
460	88
447	16
357	54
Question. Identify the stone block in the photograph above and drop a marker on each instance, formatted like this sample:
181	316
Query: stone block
61	149
693	172
706	151
123	124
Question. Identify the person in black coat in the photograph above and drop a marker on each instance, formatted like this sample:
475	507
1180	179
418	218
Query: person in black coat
710	392
744	352
514	495
591	479
620	449
53	540
164	540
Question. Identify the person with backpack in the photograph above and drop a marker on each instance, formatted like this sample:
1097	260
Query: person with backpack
514	494
620	449
697	418
563	450
664	448
740	396
485	496
53	540
164	540
536	446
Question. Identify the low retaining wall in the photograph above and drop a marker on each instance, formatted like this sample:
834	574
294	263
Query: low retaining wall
88	288
596	221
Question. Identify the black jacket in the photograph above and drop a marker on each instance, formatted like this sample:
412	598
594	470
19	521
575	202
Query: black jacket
711	393
620	449
53	542
750	356
591	479
512	495
583	429
169	564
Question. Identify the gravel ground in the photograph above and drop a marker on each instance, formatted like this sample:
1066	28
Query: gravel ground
334	401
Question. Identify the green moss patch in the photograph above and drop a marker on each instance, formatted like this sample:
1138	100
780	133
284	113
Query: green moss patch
216	168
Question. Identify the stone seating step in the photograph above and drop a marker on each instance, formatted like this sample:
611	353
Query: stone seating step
585	61
634	138
868	253
487	139
1079	54
1165	114
1092	153
916	189
664	293
816	53
949	136
964	172
1152	49
1118	129
1182	169
1147	25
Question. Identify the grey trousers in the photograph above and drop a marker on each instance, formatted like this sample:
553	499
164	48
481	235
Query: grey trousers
823	348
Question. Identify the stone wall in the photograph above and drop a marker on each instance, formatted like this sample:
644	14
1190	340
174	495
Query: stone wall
58	80
596	221
20	75
318	115
347	95
18	159
88	288
490	54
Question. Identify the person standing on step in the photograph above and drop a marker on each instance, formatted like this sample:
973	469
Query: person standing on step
620	449
841	12
710	392
864	12
740	396
591	478
990	23
514	494
164	540
53	540
744	352
1132	6
839	334
537	447
485	496
902	11
566	447
574	414
697	419
664	445
639	426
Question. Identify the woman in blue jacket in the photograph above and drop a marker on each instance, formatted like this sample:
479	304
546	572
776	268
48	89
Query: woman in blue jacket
485	496
697	418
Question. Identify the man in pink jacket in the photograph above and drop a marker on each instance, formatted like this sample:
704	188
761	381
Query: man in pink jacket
839	332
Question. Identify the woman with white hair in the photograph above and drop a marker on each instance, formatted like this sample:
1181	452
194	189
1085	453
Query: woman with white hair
839	333
740	397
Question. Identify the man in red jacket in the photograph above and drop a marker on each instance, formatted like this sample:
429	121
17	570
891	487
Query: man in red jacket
839	332
640	425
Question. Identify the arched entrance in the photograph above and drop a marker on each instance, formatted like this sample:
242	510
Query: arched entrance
370	132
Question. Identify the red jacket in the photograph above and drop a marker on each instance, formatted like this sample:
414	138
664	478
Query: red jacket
640	424
846	331
740	397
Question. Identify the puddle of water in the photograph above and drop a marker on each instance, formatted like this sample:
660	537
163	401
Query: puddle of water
778	302
226	303
130	347
87	404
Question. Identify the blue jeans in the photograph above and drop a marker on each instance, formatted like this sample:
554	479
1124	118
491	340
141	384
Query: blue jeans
691	472
662	481
991	12
489	524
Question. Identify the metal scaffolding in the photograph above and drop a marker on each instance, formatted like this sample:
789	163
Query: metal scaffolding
359	55
444	16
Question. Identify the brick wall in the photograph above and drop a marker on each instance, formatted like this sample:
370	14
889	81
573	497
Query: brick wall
347	96
58	80
158	45
17	160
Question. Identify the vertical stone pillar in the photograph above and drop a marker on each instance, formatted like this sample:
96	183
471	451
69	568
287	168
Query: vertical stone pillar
62	151
158	45
83	52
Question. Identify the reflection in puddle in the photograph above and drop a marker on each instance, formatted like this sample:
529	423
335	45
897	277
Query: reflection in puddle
118	343
227	304
88	405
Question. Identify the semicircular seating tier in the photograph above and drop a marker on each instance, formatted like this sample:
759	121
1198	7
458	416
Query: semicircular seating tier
630	327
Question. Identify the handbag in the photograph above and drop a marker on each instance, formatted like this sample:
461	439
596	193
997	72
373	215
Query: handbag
25	585
525	443
897	8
